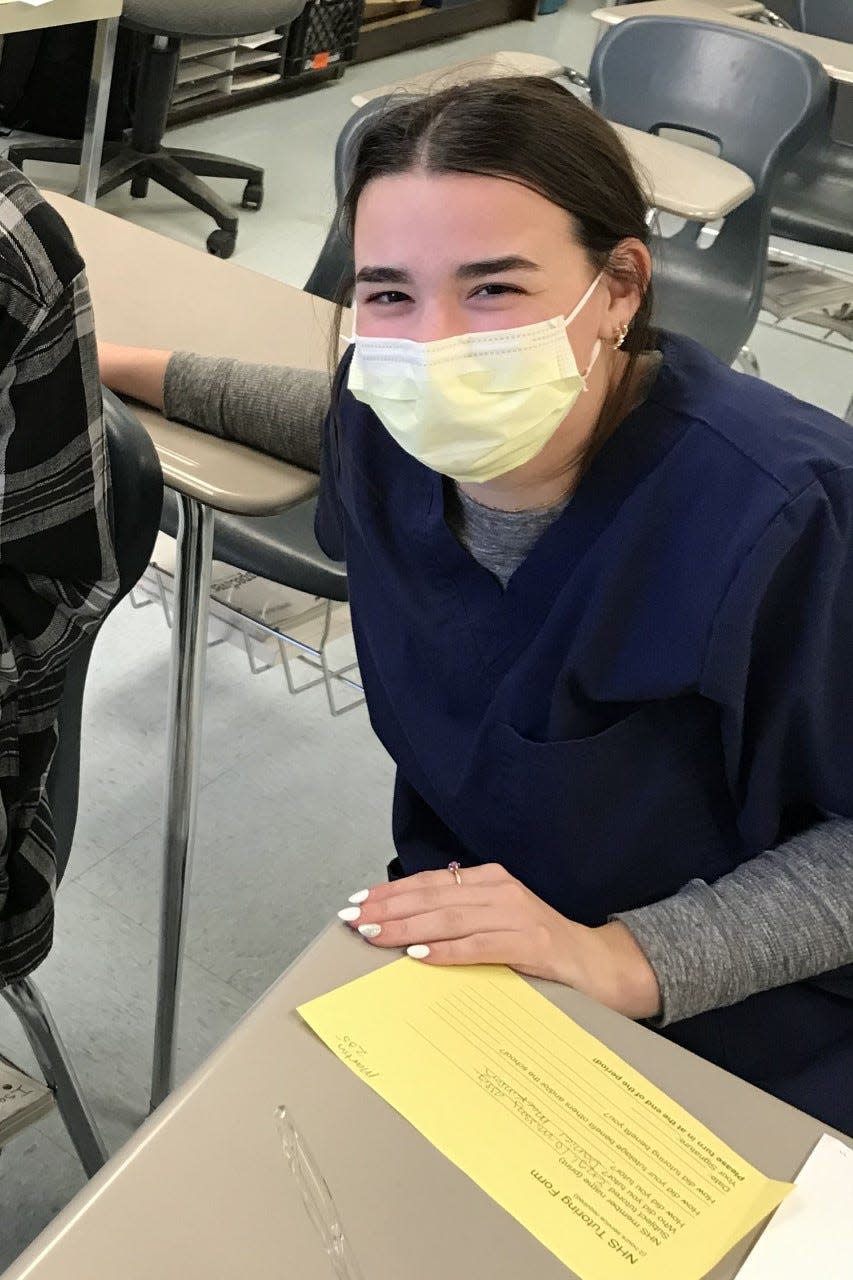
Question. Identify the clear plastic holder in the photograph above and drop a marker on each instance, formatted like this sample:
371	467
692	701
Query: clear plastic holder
317	1198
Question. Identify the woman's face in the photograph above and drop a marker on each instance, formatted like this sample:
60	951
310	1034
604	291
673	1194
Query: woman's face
438	255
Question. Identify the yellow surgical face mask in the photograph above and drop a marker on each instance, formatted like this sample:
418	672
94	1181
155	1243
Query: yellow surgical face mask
478	405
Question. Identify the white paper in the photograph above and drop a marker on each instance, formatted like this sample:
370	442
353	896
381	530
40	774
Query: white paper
811	1233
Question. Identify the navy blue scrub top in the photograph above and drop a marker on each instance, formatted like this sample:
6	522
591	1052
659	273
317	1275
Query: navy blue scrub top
663	690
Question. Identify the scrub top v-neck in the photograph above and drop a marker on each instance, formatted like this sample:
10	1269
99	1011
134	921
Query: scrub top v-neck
660	691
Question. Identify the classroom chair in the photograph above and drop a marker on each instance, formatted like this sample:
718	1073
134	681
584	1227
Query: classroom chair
758	101
142	158
137	489
813	203
814	199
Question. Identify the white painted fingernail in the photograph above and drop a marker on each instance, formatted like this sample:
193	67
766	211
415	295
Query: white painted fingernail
419	951
370	930
349	914
361	896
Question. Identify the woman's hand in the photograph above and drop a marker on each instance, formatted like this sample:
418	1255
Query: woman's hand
491	918
139	372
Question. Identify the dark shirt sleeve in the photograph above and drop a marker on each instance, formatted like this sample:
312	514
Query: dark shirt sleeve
778	667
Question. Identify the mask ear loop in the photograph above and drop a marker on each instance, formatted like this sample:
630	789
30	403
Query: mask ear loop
596	350
575	312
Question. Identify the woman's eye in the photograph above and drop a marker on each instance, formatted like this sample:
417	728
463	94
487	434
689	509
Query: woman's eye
388	297
495	290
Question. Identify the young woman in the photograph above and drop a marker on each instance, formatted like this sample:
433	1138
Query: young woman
602	593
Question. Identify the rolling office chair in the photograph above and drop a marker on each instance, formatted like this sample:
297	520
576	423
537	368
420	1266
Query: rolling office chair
137	487
142	158
655	73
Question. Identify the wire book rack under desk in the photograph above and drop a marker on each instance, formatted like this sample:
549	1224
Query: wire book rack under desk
309	637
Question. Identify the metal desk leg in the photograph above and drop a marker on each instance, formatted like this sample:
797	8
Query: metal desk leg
100	79
189	647
28	1003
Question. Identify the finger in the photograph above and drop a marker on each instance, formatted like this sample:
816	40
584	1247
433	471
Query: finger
505	946
488	873
411	905
452	923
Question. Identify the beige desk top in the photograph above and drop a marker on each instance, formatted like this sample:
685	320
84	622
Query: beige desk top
836	55
149	290
488	66
15	16
202	1191
684	180
679	179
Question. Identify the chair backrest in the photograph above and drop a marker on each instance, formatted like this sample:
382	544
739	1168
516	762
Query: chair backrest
137	498
333	268
209	18
753	96
830	18
758	100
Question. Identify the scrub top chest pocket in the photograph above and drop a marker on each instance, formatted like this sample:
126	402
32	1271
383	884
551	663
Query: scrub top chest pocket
619	818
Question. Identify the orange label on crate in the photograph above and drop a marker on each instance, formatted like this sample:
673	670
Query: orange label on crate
320	60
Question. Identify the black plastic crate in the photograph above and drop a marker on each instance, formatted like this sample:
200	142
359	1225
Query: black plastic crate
324	36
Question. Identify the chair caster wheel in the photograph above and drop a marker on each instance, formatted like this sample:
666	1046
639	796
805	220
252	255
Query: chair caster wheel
253	195
139	187
221	243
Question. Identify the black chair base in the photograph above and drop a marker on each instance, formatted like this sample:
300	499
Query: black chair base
176	169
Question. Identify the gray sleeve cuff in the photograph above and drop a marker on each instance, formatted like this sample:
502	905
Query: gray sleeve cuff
783	916
681	939
277	410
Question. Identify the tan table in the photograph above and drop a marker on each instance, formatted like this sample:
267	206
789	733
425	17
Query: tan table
202	1190
835	55
489	66
15	16
678	179
150	291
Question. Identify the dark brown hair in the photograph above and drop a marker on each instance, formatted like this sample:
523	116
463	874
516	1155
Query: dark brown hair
530	130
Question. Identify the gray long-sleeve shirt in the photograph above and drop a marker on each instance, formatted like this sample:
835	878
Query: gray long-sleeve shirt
781	917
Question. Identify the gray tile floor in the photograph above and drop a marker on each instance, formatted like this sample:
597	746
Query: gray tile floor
294	811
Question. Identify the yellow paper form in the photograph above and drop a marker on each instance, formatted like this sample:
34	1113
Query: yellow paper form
603	1168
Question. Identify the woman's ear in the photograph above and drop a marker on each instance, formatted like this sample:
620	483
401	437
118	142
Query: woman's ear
627	273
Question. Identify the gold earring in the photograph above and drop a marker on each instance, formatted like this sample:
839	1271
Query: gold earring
620	336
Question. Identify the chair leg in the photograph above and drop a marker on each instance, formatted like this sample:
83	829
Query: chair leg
207	166
748	362
121	169
44	153
170	174
29	1004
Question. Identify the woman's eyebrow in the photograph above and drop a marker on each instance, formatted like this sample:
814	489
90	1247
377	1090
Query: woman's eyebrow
467	271
494	266
383	275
